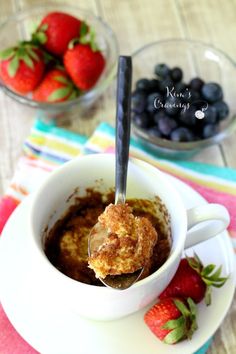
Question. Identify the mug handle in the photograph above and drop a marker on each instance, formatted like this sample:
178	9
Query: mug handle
216	213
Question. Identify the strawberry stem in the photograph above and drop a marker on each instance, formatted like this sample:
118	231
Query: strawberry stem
209	275
87	36
24	51
185	325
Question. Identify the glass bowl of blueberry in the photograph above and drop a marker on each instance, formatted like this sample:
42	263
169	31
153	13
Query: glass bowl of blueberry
183	97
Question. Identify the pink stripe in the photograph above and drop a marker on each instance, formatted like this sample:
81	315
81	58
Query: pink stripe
233	234
38	164
214	196
7	206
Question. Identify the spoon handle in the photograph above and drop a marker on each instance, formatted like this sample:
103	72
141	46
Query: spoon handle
123	121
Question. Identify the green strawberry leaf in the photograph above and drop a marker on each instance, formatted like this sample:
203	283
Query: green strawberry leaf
73	95
62	79
41	37
13	66
181	307
208	269
44	27
49	58
208	296
175	336
218	272
221	282
89	38
7	53
34	39
198	260
93	44
83	29
94	47
172	324
192	307
32	54
33	25
59	94
28	61
73	42
83	40
195	263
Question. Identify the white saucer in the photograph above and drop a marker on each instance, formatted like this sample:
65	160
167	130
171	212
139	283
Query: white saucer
34	312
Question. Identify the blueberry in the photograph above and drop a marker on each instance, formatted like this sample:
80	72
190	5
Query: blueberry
142	120
212	92
209	130
158	115
196	84
187	116
154	131
180	87
182	134
222	109
166	125
176	74
192	96
210	115
143	84
151	108
154	85
172	105
166	85
154	97
162	70
138	101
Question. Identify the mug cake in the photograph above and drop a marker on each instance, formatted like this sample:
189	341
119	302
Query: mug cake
144	242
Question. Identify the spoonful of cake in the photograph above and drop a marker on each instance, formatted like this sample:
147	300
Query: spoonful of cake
120	244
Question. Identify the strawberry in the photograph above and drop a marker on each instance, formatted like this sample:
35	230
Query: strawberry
22	67
172	319
194	280
55	87
84	64
56	30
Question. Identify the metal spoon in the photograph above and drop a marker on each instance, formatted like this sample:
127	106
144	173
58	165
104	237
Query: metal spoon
98	234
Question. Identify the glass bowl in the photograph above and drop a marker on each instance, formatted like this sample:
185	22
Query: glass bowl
20	27
196	59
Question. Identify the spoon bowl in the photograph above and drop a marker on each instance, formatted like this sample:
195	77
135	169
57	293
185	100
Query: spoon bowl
97	237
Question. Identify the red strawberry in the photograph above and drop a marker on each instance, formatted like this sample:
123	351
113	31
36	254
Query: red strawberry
194	280
57	29
55	87
172	319
22	67
84	65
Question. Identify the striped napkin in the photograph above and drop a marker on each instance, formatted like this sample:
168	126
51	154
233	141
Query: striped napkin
48	146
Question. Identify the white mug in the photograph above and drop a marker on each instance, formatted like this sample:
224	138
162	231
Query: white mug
144	181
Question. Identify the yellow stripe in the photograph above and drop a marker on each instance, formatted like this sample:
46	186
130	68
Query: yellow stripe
100	142
210	184
54	145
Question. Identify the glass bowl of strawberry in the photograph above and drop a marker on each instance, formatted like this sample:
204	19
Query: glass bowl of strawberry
56	58
183	98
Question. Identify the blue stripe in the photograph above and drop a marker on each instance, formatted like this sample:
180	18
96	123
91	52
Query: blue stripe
204	348
56	158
